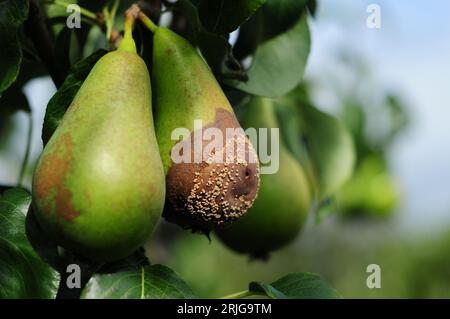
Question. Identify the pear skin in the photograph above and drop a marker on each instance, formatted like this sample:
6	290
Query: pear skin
283	202
99	185
201	194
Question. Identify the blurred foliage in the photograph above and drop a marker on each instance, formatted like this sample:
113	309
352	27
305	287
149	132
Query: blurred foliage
374	125
327	142
340	252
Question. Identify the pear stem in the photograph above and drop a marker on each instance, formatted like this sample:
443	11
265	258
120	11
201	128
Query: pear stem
128	43
147	22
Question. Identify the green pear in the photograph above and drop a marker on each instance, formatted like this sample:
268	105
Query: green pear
99	185
201	194
284	198
372	192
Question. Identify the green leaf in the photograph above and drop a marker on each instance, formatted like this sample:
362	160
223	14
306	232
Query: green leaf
279	63
136	259
62	48
354	119
13	100
214	47
291	130
328	144
59	103
46	248
322	145
94	6
4	188
282	15
312	7
12	14
157	281
89	268
296	286
273	19
23	274
398	116
331	149
225	16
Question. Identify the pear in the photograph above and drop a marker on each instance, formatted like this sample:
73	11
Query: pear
99	185
371	192
211	186
284	198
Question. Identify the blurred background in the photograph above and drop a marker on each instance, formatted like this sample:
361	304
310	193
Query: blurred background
390	87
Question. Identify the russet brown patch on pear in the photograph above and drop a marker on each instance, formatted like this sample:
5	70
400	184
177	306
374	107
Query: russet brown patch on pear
50	179
218	190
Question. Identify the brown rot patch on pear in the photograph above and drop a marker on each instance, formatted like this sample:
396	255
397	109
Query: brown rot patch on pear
218	190
50	176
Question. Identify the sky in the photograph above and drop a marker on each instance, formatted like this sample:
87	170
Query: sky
409	54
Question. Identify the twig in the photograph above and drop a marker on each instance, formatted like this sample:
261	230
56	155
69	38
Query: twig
83	11
114	36
102	19
28	149
110	20
147	22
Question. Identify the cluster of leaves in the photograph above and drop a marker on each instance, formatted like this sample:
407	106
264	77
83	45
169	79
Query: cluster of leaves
274	36
12	16
22	273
